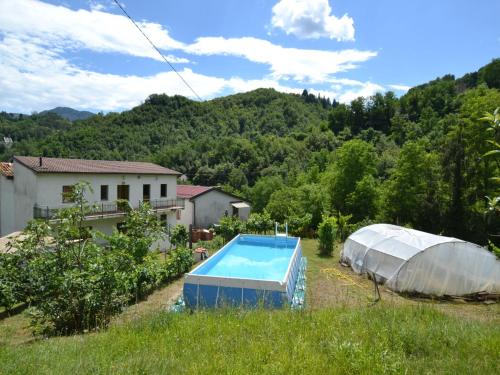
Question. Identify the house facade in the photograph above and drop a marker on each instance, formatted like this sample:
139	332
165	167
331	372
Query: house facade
205	205
33	187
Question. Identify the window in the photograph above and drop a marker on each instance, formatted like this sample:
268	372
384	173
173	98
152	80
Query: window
163	190
178	214
121	227
104	192
122	192
67	194
163	220
146	190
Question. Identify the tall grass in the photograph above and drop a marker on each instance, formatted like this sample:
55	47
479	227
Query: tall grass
371	340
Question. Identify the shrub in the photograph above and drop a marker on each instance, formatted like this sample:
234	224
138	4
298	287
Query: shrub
74	283
212	245
179	235
259	223
298	226
326	236
230	226
178	262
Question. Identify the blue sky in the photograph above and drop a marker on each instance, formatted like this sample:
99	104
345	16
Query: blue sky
87	55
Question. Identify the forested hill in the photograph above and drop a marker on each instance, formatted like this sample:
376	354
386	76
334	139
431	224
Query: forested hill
70	113
415	160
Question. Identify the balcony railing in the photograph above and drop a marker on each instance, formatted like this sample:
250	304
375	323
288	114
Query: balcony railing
109	209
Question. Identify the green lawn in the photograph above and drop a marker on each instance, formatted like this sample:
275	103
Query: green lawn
339	332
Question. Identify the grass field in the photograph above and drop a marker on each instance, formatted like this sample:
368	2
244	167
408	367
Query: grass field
341	331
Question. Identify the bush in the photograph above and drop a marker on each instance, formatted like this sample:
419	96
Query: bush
259	223
10	287
73	282
230	226
212	245
179	236
326	235
298	226
178	262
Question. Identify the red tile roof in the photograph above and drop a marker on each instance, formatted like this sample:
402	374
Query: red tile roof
191	191
6	169
57	165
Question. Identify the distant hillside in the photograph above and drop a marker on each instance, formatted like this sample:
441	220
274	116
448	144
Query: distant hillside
420	155
70	113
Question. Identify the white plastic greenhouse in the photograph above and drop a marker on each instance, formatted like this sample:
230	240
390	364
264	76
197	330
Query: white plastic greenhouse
409	260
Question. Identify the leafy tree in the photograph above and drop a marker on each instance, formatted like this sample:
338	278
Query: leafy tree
259	222
261	192
179	236
491	74
326	236
230	226
353	162
412	193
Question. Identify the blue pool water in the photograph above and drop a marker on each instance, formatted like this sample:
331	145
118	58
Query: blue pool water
250	270
264	258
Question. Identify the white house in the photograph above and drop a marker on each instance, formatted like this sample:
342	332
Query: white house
205	205
35	187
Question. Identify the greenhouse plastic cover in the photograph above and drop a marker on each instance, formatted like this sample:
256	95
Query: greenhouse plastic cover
409	260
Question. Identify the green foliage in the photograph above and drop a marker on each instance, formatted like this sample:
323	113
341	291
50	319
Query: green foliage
178	262
383	339
259	223
141	229
261	192
300	155
230	226
412	195
490	74
179	236
72	281
350	178
327	232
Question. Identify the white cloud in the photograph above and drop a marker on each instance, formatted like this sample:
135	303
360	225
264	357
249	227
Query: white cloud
35	75
399	87
298	64
311	19
34	79
64	28
366	89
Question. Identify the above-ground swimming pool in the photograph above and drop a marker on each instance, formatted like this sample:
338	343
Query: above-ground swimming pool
249	270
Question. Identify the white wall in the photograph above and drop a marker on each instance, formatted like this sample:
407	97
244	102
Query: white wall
7	220
211	206
25	191
186	214
49	192
108	226
19	196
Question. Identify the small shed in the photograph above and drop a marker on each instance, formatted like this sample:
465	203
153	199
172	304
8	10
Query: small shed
408	260
205	205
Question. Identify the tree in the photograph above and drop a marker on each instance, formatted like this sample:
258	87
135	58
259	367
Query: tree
230	226
493	210
412	195
326	236
353	162
491	74
261	192
179	236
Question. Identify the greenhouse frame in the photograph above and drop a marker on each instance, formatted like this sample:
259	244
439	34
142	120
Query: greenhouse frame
408	260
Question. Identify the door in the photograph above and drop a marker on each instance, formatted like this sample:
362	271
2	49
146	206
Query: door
122	192
146	189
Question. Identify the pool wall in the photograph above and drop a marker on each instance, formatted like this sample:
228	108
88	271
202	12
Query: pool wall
211	291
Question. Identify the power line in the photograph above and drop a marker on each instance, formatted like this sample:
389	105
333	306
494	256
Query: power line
157	50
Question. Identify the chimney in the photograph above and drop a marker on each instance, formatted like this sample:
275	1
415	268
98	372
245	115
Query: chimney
40	161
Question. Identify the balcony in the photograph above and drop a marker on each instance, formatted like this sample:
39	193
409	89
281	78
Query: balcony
110	209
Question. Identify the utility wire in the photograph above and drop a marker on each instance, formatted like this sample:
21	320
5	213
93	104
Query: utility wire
157	50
